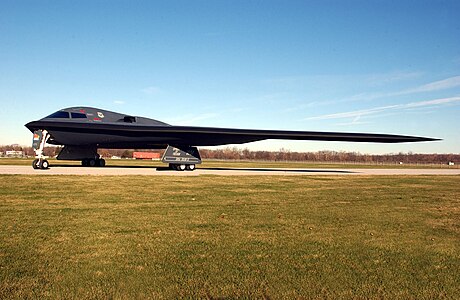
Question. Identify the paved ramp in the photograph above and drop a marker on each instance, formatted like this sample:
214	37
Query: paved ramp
76	170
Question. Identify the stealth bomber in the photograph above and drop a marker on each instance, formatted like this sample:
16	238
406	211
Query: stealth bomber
83	130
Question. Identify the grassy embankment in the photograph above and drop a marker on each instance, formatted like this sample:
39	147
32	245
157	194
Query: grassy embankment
237	164
264	237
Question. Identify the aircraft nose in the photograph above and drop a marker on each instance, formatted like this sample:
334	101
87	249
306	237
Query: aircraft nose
32	126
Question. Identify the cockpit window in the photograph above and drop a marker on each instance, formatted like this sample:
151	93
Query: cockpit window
78	115
59	115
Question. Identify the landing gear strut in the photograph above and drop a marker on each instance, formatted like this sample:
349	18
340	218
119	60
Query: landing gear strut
38	143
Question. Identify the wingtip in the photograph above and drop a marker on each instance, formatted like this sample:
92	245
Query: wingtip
430	139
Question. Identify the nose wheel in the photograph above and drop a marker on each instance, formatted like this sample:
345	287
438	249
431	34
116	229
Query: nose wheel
40	164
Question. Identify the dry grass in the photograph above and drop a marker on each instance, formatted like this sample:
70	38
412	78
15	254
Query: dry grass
229	237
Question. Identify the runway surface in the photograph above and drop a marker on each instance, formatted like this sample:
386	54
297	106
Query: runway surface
76	170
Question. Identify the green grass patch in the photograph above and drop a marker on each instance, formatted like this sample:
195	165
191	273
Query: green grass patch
238	164
229	237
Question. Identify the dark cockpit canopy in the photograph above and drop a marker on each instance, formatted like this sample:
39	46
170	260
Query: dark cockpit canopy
59	115
66	115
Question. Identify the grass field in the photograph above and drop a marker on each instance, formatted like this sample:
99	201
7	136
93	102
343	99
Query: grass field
229	237
239	164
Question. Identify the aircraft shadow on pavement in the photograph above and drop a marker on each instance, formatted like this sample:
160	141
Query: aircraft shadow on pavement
219	169
106	166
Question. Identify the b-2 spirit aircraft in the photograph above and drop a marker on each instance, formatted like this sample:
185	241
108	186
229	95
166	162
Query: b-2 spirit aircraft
83	130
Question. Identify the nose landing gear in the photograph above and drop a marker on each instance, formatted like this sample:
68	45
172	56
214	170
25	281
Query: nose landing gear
38	144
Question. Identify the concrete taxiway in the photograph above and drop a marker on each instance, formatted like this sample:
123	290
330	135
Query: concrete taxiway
76	170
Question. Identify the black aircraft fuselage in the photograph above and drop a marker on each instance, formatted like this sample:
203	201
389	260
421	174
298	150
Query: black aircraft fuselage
83	128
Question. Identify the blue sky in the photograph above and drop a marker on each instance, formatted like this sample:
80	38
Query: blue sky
355	66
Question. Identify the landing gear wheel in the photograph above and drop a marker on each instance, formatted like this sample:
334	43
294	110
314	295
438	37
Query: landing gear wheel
181	167
101	162
44	164
92	162
35	164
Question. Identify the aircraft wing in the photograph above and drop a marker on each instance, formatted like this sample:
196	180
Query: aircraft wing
211	136
111	134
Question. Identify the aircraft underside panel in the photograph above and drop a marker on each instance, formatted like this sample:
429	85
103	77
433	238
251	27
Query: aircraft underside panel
78	153
144	140
106	140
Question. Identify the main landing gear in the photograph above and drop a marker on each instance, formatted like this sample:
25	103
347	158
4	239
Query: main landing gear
38	143
87	154
183	158
182	167
91	162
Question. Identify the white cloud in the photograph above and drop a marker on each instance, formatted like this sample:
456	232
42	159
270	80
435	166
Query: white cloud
151	90
372	111
370	80
433	102
355	121
305	106
386	78
444	84
119	102
435	86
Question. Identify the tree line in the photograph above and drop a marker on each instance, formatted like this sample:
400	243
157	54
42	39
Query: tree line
329	156
235	153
